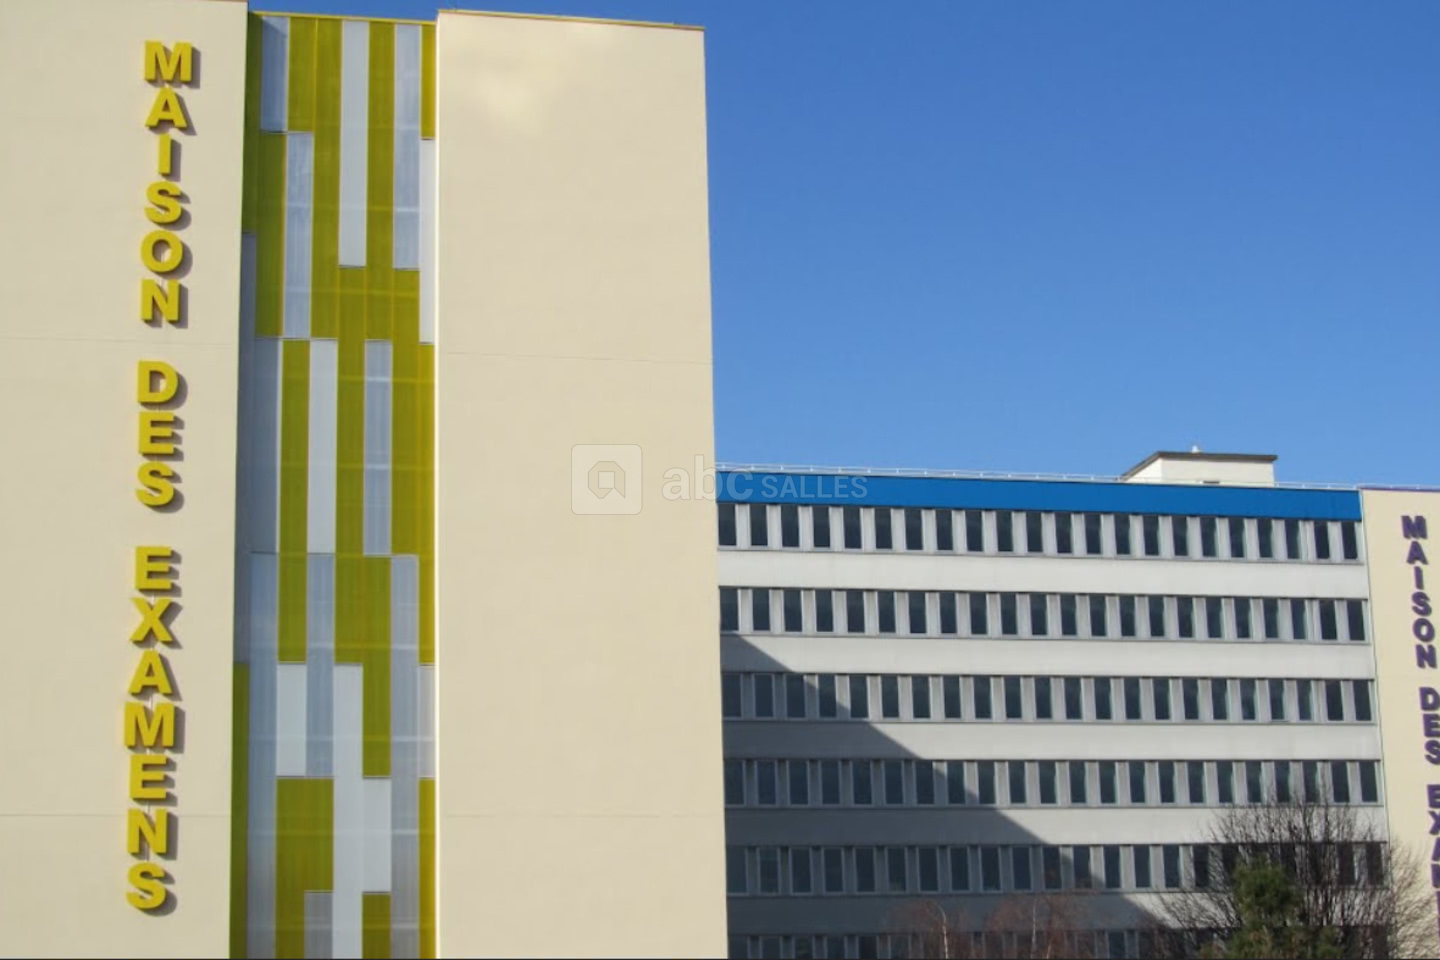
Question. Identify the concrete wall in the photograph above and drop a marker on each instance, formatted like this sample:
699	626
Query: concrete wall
73	178
579	775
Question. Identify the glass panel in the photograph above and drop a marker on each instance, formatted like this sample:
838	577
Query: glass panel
914	529
727	524
789	525
920	698
974	531
850	520
820	527
1092	534
862	787
759	534
884	538
945	530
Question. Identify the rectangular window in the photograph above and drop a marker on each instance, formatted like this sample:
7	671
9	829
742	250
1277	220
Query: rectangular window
1277	699
1195	781
945	530
824	611
1104	709
920	698
825	690
820	527
1334	701
1108	792
1044	710
979	614
1098	620
1242	618
862	790
1080	862
1292	540
793	620
1207	537
896	877
1157	616
1329	626
884	536
1064	533
1270	608
850	520
730	696
735	881
1369	782
727	524
894	773
764	695
1349	543
1304	701
1355	615
1034	532
1068	626
1170	857
1185	617
1220	699
729	610
1133	709
1265	528
759	531
1092	534
1254	781
1039	623
914	529
985	770
1167	781
959	869
760	610
1150	528
890	697
950	692
1297	619
974	531
795	696
949	622
767	792
990	869
1202	866
925	783
1340	781
1111	859
955	782
1137	782
1282	782
734	782
1190	697
1142	871
1361	691
830	782
855	612
1014	705
927	863
886	601
915	600
800	871
1225	778
1127	616
1180	535
789	525
1122	534
1160	690
1214	618
1078	790
1074	707
982	698
1249	706
1020	868
864	869
1017	782
1048	790
1004	531
799	783
859	698
1009	619
1310	773
1322	540
1050	867
1237	537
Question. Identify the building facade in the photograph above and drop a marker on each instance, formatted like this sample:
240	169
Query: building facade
941	692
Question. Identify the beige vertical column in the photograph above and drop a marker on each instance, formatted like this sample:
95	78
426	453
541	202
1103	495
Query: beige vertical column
78	160
579	753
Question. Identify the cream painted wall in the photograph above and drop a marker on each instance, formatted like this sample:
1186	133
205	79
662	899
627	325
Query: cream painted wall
579	778
1393	584
73	173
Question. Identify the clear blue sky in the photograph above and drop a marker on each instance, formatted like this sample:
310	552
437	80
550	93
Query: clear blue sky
1058	236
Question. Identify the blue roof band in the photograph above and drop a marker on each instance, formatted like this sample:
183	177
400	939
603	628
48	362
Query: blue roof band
1063	495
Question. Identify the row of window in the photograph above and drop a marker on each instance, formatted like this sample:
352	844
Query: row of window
1071	783
900	946
912	529
1084	616
900	870
830	696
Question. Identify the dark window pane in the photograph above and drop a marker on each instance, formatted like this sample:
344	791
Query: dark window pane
1170	855
1225	779
1074	708
979	614
1310	772
1266	529
792	611
886	602
820	526
914	529
920	698
1077	783
1167	781
1297	619
986	772
1355	616
764	690
1142	872
734	782
1349	543
855	611
1248	707
1292	539
1009	621
859	698
959	869
1044	710
864	869
1207	537
916	603
1322	539
1068	626
1111	858
894	782
1133	708
1020	868
759	532
1108	791
896	876
1334	701
735	871
1254	782
1127	616
1161	692
1195	781
1180	534
1017	782
1270	607
1282	782
945	530
1329	627
1004	531
789	525
1064	533
1214	618
1340	781
1093	546
727	524
1277	699
730	609
1014	705
1220	699
890	697
795	696
1361	691
730	695
1150	526
990	868
1237	536
799	783
884	538
850	518
1157	616
1122	534
1048	790
1137	782
928	867
1202	867
1304	701
982	698
827	702
1242	618
800	877
948	620
1185	617
766	790
1190	697
955	782
1050	866
1103	706
974	531
1034	532
950	690
760	609
1099	627
824	611
1080	862
1369	782
1039	621
862	790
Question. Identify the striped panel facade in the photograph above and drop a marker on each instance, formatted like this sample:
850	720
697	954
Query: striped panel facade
333	849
